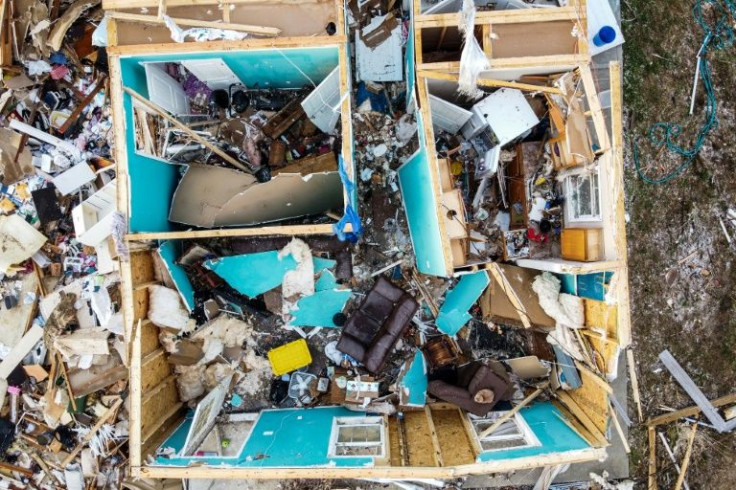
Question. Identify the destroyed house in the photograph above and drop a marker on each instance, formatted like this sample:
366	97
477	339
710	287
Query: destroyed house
257	351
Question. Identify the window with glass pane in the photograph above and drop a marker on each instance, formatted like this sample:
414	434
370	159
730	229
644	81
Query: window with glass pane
358	437
582	196
512	433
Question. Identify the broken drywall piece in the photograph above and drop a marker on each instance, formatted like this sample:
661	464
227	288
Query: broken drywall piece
322	106
528	367
453	314
12	170
203	191
74	178
383	62
166	310
169	253
413	382
319	309
19	241
254	274
83	342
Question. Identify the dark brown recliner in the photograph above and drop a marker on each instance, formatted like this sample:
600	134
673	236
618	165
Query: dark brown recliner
471	379
372	331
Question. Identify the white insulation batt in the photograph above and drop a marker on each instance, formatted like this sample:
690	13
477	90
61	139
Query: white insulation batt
166	310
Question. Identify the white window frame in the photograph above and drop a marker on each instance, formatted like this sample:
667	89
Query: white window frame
568	190
525	432
338	422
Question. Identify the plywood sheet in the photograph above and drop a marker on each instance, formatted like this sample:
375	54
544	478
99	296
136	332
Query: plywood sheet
418	439
455	444
496	305
592	399
154	369
533	39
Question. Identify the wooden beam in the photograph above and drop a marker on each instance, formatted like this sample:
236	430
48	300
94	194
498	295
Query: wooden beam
433	435
689	411
652	459
153	107
620	431
152	19
323	229
506	416
424	21
137	4
686	458
487	82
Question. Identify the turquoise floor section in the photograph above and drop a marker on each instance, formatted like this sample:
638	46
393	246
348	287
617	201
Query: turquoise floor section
280	438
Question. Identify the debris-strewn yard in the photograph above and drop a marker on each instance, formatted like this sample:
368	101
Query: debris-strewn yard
683	278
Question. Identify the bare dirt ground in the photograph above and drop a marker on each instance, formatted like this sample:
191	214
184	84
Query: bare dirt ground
682	270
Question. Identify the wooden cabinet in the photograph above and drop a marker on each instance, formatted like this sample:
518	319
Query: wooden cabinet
582	244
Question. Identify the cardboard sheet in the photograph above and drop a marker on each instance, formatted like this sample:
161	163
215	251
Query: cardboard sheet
496	305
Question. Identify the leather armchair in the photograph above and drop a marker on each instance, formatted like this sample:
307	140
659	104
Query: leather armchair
471	379
372	331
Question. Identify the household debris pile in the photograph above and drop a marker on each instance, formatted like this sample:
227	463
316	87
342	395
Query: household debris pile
64	369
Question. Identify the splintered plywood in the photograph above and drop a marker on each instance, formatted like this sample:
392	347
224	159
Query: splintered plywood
394	442
142	269
418	439
592	399
600	315
154	369
455	444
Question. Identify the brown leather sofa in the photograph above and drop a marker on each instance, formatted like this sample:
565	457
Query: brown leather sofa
471	379
372	331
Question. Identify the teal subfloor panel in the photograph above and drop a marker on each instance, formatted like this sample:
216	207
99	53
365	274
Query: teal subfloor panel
453	313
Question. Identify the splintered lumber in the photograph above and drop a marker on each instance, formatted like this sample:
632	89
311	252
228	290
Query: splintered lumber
689	411
652	459
152	19
74	116
695	393
506	416
686	458
102	421
634	383
151	106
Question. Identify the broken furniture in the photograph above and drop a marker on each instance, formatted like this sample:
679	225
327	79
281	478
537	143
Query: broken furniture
477	389
372	331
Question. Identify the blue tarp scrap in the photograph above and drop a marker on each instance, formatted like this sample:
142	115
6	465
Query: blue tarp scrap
350	216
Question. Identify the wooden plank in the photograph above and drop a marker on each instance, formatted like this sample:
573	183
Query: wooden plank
74	116
689	411
620	432
322	229
506	416
487	82
395	442
686	458
652	459
433	434
397	472
135	4
196	137
135	406
149	337
140	304
634	383
152	19
424	21
154	408
695	393
582	416
671	455
142	268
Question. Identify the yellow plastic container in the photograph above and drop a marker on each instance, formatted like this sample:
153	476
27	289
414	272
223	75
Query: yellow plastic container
289	357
